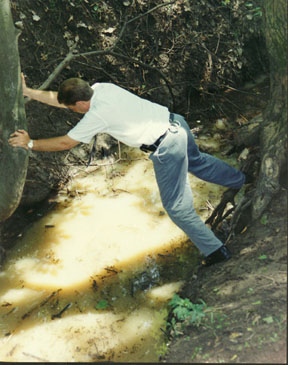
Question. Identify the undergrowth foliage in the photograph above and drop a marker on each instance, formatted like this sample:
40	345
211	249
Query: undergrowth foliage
184	313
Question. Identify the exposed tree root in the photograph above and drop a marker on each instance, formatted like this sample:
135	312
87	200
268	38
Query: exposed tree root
219	213
227	204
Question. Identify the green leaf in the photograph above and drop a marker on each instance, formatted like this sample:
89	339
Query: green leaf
103	304
268	319
181	313
175	301
264	220
262	257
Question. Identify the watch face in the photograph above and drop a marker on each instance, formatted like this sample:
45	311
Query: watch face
30	144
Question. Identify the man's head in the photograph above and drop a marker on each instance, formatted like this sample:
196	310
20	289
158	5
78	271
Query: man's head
75	94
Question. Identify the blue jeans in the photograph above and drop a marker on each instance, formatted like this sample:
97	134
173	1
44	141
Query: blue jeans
177	155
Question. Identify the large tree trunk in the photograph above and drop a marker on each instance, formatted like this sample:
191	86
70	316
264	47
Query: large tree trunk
14	161
269	130
273	137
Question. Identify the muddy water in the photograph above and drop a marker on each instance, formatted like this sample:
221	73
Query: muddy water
91	280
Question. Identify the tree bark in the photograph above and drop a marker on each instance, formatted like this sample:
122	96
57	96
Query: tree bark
273	137
14	161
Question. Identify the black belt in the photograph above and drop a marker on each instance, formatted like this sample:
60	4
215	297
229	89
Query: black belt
153	147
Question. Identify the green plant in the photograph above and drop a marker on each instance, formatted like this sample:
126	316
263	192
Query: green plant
185	311
162	350
274	337
216	322
196	351
268	319
102	304
95	10
264	220
225	2
253	9
281	322
52	3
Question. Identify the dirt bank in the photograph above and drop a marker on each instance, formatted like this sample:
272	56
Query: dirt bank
248	296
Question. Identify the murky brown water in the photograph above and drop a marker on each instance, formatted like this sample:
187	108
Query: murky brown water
91	280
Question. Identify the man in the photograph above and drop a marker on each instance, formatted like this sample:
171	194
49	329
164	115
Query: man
140	123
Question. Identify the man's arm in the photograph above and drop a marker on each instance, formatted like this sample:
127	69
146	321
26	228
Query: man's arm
21	138
46	97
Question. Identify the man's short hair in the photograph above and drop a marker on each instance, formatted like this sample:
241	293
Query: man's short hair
72	90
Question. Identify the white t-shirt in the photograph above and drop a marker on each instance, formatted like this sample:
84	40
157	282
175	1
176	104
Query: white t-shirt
123	115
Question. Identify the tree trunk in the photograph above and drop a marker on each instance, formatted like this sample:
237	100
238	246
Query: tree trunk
14	161
273	137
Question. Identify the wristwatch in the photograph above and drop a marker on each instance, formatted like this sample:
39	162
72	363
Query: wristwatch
30	144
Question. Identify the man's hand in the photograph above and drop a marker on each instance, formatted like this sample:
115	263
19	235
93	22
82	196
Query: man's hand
19	138
46	97
24	86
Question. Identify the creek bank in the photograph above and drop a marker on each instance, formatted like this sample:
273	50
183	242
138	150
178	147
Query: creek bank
249	295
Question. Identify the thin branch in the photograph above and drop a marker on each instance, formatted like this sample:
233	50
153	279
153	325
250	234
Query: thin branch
59	68
150	11
56	71
216	50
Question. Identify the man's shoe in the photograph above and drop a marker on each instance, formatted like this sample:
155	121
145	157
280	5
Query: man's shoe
222	254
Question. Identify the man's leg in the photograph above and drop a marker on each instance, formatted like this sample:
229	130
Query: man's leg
171	167
207	167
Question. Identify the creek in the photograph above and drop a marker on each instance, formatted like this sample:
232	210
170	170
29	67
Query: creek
90	281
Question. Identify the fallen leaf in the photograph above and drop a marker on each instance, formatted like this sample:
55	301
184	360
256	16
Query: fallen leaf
268	319
256	319
235	335
109	30
244	230
36	17
81	25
